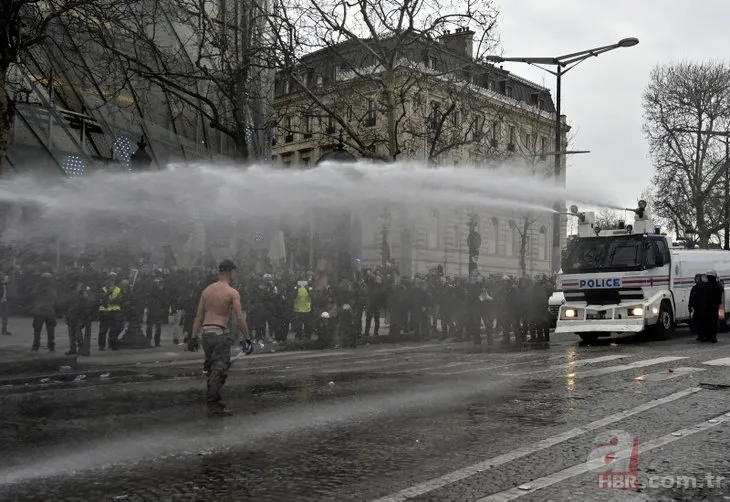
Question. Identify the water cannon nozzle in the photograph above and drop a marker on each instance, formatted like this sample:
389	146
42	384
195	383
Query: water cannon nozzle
582	217
597	230
629	228
642	204
574	209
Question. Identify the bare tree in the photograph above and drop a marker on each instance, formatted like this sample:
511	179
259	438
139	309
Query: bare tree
380	57
24	26
206	58
608	218
528	132
681	103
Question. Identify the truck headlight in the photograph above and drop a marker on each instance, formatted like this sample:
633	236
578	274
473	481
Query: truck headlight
636	312
569	313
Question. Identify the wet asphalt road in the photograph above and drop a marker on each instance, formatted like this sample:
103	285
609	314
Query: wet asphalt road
441	421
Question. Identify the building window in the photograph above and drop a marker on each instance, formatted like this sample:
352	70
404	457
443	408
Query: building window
512	133
455	118
542	244
541	104
434	117
509	91
372	115
288	127
492	236
509	241
543	147
308	125
305	161
331	125
434	63
433	231
528	141
477	127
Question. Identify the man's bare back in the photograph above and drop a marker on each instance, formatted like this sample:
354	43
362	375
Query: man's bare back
217	300
215	307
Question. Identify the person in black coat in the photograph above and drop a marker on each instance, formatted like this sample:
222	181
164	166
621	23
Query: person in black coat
157	310
45	306
79	310
705	305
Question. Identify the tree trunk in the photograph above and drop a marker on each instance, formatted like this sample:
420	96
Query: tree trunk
392	107
523	246
6	118
702	233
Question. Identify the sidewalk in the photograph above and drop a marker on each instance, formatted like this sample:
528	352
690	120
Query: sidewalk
16	357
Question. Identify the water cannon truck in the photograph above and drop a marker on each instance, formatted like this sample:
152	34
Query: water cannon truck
630	279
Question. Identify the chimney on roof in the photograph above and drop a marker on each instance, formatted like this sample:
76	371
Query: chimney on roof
460	42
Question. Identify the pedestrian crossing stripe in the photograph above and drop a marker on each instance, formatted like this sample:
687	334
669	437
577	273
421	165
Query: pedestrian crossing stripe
725	361
668	374
625	367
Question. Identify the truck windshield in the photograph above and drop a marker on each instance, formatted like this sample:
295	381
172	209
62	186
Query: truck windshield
593	254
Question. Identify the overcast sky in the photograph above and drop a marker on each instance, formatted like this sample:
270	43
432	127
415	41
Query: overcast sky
602	96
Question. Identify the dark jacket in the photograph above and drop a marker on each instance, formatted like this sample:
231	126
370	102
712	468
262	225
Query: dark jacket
45	299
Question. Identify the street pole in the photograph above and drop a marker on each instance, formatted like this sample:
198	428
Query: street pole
727	193
558	149
562	64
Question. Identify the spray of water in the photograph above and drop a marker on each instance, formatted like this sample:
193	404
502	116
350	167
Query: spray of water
181	196
200	437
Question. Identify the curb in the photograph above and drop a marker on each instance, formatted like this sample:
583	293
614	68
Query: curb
52	364
41	364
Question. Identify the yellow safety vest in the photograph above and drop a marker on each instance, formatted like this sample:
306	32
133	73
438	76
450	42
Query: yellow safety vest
302	302
112	304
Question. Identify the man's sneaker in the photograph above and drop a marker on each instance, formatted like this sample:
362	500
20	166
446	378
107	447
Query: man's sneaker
219	412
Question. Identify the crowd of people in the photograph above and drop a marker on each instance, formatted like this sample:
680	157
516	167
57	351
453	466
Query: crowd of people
277	305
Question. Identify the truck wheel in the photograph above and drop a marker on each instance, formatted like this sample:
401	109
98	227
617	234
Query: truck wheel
664	323
588	337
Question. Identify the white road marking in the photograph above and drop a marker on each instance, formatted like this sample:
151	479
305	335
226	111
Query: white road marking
571	365
485	368
725	361
414	348
626	367
466	472
660	376
581	362
577	470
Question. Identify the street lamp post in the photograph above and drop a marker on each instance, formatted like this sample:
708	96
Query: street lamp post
562	65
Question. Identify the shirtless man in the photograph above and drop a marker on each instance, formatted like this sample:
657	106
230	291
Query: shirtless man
214	309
